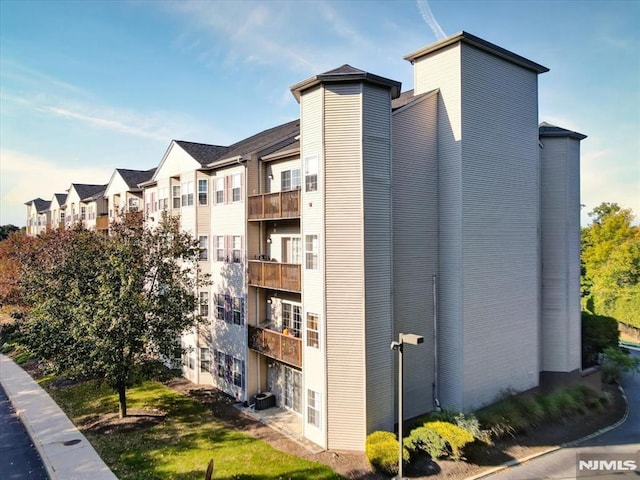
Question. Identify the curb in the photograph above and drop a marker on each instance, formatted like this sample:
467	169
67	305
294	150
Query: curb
519	461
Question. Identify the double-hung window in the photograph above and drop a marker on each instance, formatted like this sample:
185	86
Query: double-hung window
236	187
187	193
290	179
83	213
313	408
205	360
311	173
292	318
220	257
133	204
220	307
313	333
175	194
219	190
237	311
236	251
203	244
204	304
311	252
203	191
238	372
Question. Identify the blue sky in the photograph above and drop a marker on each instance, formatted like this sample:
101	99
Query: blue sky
86	87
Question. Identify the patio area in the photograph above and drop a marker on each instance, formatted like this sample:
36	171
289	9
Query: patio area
284	421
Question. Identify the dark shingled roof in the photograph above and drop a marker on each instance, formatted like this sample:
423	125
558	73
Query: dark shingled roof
406	98
263	140
60	197
135	177
290	145
202	153
547	130
87	191
40	204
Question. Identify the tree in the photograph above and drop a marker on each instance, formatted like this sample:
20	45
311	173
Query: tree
611	264
108	306
6	230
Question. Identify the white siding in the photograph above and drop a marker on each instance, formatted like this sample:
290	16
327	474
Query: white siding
415	243
560	218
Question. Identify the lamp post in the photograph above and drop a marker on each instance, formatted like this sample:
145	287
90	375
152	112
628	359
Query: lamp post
411	339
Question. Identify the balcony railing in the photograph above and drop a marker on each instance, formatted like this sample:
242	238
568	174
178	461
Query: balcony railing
285	348
102	223
279	276
275	205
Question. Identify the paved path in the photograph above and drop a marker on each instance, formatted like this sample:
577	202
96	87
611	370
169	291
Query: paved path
65	452
19	459
561	464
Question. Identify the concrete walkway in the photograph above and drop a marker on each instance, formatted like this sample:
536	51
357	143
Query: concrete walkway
65	452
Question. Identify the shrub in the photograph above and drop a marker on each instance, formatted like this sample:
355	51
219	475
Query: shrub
598	333
616	362
426	440
382	452
455	436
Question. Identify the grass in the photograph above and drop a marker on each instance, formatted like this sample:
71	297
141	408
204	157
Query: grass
180	446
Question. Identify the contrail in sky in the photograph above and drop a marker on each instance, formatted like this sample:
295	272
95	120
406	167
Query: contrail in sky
429	19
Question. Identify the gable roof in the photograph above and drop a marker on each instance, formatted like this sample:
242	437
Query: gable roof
135	177
40	204
60	198
262	141
548	130
88	191
345	73
202	153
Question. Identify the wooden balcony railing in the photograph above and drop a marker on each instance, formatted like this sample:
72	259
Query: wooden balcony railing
275	205
286	348
102	223
279	276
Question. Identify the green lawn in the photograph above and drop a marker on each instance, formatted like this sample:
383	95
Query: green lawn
182	444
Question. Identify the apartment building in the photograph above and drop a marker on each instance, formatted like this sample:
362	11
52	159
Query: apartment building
446	211
38	217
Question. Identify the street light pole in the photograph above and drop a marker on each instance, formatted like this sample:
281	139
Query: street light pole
411	339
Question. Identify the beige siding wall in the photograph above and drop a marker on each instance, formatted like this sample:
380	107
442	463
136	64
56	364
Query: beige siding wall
312	223
415	242
276	168
560	217
344	268
378	258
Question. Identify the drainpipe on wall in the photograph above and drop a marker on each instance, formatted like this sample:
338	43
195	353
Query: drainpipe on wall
434	287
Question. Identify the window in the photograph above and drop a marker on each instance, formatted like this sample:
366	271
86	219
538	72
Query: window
292	250
313	335
83	213
175	192
237	311
163	198
236	187
204	304
187	194
313	408
290	180
203	192
237	248
203	245
292	318
292	391
220	190
311	173
219	364
311	250
238	372
133	204
220	307
61	217
220	257
205	360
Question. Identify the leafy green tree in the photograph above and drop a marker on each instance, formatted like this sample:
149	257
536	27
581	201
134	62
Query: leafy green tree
109	306
611	264
6	230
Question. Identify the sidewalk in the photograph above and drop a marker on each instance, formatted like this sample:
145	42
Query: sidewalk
65	452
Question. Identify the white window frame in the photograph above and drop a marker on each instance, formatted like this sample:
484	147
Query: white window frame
237	311
292	318
203	244
313	330
311	248
204	304
314	408
236	248
187	193
175	196
205	359
203	192
219	190
236	187
290	179
311	173
220	254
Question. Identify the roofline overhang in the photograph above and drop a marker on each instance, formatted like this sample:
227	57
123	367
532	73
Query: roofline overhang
280	155
366	77
469	39
563	133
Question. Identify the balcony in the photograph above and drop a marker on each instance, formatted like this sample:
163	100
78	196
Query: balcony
276	345
278	276
102	223
276	205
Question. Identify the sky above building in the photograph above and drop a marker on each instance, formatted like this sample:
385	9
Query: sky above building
87	87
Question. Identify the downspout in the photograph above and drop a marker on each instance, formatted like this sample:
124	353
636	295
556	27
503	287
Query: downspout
434	284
